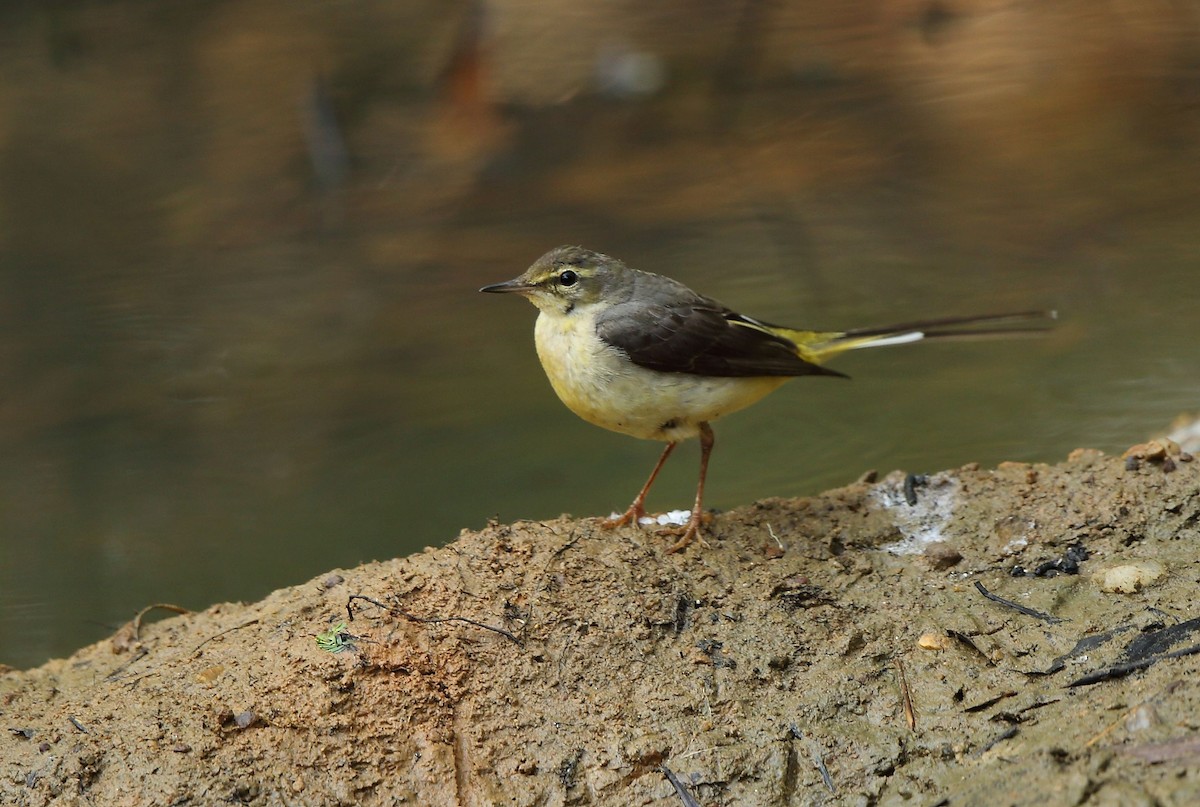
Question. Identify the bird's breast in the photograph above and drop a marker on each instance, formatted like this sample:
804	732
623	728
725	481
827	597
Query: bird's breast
600	384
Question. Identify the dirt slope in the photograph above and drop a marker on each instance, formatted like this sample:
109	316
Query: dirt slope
828	650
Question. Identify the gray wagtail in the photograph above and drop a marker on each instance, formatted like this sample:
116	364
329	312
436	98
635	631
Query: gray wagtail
644	355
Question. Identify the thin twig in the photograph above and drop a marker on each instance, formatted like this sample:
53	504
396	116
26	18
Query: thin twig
165	606
1016	606
910	714
963	638
222	633
570	543
428	619
990	702
815	752
1098	736
138	656
1122	670
1153	753
681	790
1007	734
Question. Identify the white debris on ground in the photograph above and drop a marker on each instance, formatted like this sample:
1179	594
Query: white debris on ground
921	523
671	518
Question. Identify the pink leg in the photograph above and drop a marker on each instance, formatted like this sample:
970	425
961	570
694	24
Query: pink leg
691	531
638	509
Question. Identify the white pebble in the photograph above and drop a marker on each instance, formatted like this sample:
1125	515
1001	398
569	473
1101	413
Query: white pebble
1130	577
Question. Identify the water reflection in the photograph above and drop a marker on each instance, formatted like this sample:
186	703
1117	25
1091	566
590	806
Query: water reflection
241	343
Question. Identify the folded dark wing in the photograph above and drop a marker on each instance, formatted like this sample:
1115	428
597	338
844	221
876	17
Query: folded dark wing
700	337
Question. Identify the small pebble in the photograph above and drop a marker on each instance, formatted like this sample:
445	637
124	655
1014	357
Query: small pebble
1153	450
933	641
942	554
1142	717
1130	577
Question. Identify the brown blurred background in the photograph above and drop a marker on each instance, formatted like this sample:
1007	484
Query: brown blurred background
239	245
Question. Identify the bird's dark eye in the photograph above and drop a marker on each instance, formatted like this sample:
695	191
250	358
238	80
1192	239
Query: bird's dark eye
567	278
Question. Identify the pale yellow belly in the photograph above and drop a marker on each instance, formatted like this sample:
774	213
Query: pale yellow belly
600	385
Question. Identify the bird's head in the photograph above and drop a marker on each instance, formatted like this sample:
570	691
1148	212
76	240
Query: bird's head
567	279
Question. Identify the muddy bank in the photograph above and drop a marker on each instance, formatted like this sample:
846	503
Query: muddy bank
1019	635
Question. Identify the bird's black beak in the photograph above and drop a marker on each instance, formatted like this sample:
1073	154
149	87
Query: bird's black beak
515	285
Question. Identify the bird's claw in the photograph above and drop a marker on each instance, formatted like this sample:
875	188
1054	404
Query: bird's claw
633	515
687	533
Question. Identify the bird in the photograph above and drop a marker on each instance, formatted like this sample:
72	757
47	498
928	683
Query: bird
644	355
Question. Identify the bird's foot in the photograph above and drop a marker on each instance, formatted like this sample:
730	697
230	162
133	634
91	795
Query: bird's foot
688	532
633	515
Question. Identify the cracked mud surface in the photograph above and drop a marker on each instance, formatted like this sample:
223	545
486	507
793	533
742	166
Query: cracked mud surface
844	631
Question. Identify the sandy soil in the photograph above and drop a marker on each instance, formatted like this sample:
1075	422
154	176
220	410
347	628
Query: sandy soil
852	648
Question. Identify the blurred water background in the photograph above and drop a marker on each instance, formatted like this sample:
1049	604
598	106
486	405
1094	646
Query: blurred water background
240	242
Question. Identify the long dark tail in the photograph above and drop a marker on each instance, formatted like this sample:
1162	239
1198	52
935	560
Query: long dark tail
819	346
